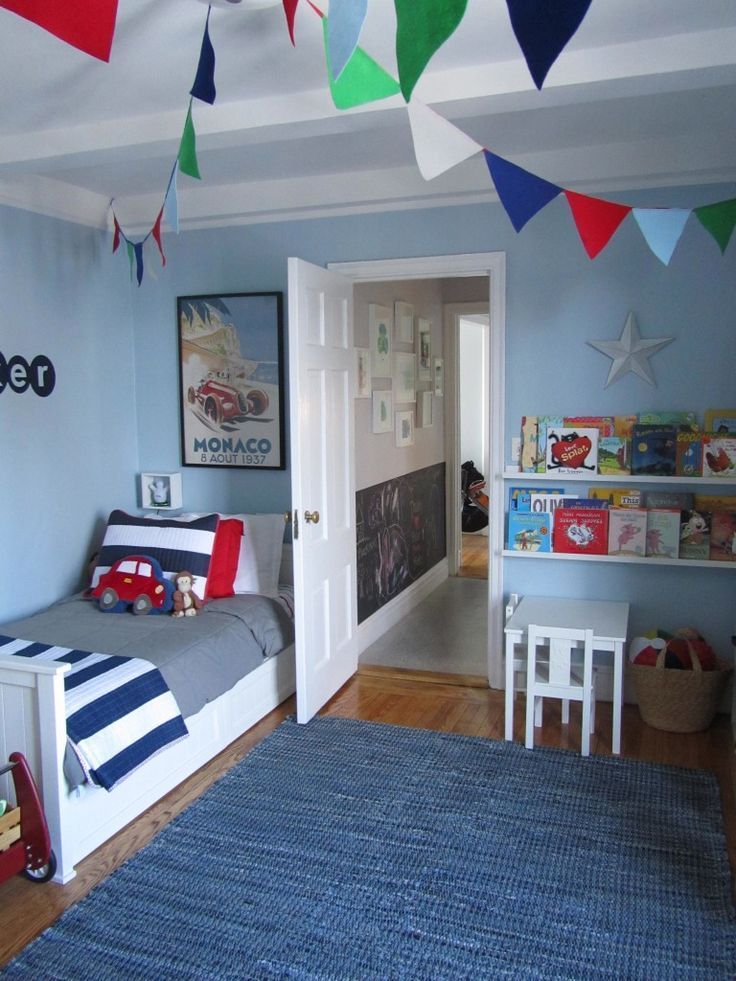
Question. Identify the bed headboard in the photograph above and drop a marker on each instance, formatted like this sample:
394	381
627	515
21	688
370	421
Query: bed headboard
286	572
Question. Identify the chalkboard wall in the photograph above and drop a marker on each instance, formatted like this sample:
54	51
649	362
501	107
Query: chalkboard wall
401	534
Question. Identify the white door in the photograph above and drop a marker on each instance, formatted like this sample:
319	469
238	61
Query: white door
322	482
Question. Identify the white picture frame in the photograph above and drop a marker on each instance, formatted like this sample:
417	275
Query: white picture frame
425	404
403	322
405	388
160	491
404	433
363	377
383	411
424	349
380	329
438	374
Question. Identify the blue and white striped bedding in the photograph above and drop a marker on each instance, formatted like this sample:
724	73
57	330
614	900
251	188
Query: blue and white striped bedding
119	710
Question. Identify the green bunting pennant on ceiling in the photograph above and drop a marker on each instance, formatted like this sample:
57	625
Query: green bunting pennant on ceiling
719	219
361	80
422	27
188	148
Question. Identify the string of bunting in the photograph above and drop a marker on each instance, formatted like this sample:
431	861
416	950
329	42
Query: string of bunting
542	28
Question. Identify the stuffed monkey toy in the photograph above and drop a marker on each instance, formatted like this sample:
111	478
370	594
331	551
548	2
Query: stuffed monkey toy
186	601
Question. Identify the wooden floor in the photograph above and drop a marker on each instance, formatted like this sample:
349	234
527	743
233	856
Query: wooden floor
380	696
474	557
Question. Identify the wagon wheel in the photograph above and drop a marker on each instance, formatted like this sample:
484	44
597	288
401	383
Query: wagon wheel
142	604
44	873
108	599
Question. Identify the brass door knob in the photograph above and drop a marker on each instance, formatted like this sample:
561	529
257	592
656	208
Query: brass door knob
311	517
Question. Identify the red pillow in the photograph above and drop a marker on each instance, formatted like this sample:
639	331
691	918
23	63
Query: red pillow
225	554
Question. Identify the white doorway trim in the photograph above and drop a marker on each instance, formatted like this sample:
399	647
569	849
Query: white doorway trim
493	265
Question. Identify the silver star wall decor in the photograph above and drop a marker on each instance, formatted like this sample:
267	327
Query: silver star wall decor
630	352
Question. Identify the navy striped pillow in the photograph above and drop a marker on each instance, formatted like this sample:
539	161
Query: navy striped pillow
176	545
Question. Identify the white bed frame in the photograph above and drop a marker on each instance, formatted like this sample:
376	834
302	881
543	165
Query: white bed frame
32	721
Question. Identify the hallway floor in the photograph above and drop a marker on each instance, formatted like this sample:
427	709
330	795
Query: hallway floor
446	633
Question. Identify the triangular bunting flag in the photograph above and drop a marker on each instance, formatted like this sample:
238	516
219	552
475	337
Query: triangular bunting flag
521	193
543	28
131	256
438	145
85	24
156	232
662	229
171	203
116	235
290	11
596	220
362	80
719	219
344	25
188	148
204	81
422	27
138	249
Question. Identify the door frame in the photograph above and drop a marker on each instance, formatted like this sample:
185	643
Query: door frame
492	265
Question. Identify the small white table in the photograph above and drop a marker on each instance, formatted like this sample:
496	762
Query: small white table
609	622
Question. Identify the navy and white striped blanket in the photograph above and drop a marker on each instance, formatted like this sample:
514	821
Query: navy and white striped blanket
119	710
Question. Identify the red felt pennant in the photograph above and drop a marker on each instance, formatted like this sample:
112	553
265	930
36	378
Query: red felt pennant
596	220
290	11
85	24
116	236
156	232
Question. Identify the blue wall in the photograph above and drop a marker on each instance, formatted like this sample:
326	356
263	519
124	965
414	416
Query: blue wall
556	300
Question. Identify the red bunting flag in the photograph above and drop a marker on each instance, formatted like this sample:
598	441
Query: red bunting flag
116	235
290	11
596	220
156	232
85	24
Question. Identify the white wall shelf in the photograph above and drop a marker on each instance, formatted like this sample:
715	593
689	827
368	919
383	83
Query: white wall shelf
632	559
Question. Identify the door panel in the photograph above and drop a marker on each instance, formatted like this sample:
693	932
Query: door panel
321	367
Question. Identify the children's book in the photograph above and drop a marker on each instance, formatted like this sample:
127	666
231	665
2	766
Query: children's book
684	420
583	531
544	425
720	421
682	500
620	497
529	444
604	424
613	455
571	450
585	502
529	532
520	498
694	535
654	450
714	502
689	454
723	536
623	426
719	455
627	531
549	502
663	533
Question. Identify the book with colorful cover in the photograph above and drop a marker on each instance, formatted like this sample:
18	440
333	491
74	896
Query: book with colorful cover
604	424
529	453
585	502
549	501
719	455
723	536
581	531
571	450
623	426
714	502
627	531
654	450
619	497
684	420
520	498
721	421
663	533
694	534
613	455
529	532
544	425
689	454
682	500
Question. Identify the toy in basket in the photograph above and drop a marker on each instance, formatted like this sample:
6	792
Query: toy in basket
678	680
25	845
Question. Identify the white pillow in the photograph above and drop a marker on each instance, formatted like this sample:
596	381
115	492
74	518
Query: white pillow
260	553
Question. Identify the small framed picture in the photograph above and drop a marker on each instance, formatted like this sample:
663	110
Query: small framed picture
383	410
424	349
405	389
363	379
161	491
405	428
379	332
425	405
439	376
404	322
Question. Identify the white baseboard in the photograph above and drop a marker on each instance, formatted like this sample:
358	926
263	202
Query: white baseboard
388	616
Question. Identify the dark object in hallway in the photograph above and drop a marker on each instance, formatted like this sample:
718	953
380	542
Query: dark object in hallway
475	502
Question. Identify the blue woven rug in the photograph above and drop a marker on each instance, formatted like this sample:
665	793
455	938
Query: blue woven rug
347	849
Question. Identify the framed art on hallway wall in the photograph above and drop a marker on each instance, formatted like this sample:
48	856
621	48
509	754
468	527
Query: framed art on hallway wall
231	375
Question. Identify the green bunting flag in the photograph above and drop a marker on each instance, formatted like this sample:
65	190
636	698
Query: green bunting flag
422	27
361	80
719	219
188	148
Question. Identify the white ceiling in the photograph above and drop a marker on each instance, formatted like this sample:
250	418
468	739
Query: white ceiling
643	96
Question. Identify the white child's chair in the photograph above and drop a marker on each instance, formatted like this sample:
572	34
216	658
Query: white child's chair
560	665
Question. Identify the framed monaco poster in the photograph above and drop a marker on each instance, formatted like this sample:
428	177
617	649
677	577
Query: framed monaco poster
231	373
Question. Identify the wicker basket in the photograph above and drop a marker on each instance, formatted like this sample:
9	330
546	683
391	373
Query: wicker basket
678	700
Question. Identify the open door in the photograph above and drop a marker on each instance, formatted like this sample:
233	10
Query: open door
321	359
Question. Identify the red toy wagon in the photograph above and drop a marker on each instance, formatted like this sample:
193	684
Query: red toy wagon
25	845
